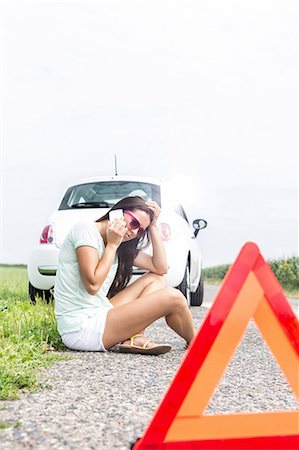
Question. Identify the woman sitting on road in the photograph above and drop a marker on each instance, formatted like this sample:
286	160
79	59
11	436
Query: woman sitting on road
94	308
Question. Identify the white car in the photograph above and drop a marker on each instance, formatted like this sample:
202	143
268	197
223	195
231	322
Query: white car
92	198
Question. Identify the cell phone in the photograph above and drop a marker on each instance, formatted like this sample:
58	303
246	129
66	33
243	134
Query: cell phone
116	214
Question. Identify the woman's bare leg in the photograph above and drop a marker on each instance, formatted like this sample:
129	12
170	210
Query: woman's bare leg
129	318
145	284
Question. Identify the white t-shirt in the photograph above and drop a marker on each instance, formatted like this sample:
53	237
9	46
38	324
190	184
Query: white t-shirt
73	304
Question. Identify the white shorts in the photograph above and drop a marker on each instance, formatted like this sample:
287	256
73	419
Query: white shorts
89	338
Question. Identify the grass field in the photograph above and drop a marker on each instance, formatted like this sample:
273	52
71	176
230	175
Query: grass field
28	335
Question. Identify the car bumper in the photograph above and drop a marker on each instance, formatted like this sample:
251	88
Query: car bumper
173	277
42	266
43	263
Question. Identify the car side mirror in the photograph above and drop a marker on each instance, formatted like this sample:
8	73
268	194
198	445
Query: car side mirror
199	224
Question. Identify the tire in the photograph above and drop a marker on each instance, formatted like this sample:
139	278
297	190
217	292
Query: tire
184	287
196	298
43	294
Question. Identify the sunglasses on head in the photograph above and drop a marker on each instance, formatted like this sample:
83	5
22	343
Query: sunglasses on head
135	224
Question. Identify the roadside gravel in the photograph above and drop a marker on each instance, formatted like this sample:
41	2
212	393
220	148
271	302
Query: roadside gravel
105	400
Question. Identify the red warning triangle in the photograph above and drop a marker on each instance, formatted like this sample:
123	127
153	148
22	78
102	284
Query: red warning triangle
250	290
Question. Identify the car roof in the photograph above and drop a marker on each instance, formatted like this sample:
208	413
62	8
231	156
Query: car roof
117	178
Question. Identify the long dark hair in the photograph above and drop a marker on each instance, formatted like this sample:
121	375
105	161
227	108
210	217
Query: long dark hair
127	251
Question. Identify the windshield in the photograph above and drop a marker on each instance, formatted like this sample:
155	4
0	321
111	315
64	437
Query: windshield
104	194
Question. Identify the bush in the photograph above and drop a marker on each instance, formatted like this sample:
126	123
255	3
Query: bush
286	271
216	272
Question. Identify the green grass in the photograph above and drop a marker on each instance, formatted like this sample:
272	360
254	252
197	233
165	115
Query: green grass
285	269
29	339
4	425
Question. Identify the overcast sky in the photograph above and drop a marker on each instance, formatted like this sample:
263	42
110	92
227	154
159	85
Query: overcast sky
200	93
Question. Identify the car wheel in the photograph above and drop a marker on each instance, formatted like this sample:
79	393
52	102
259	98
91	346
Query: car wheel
43	294
184	287
196	298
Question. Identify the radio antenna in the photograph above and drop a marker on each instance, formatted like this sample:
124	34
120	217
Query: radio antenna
115	165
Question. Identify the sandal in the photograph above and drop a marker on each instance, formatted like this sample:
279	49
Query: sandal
158	349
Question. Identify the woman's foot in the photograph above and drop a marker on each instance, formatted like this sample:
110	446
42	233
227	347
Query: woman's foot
141	344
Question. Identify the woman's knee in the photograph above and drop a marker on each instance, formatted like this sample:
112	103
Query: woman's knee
175	298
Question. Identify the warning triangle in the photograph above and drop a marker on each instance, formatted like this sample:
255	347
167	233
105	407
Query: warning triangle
250	290
252	381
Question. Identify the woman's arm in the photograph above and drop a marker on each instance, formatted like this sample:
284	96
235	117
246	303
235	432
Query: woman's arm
94	270
157	263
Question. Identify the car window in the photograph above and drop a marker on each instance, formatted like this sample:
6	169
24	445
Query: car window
105	194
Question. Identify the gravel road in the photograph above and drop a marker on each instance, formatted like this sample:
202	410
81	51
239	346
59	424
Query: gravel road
105	400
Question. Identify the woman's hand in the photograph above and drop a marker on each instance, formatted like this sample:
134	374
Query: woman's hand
156	210
115	232
157	262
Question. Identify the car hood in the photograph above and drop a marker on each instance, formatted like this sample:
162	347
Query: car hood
63	220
